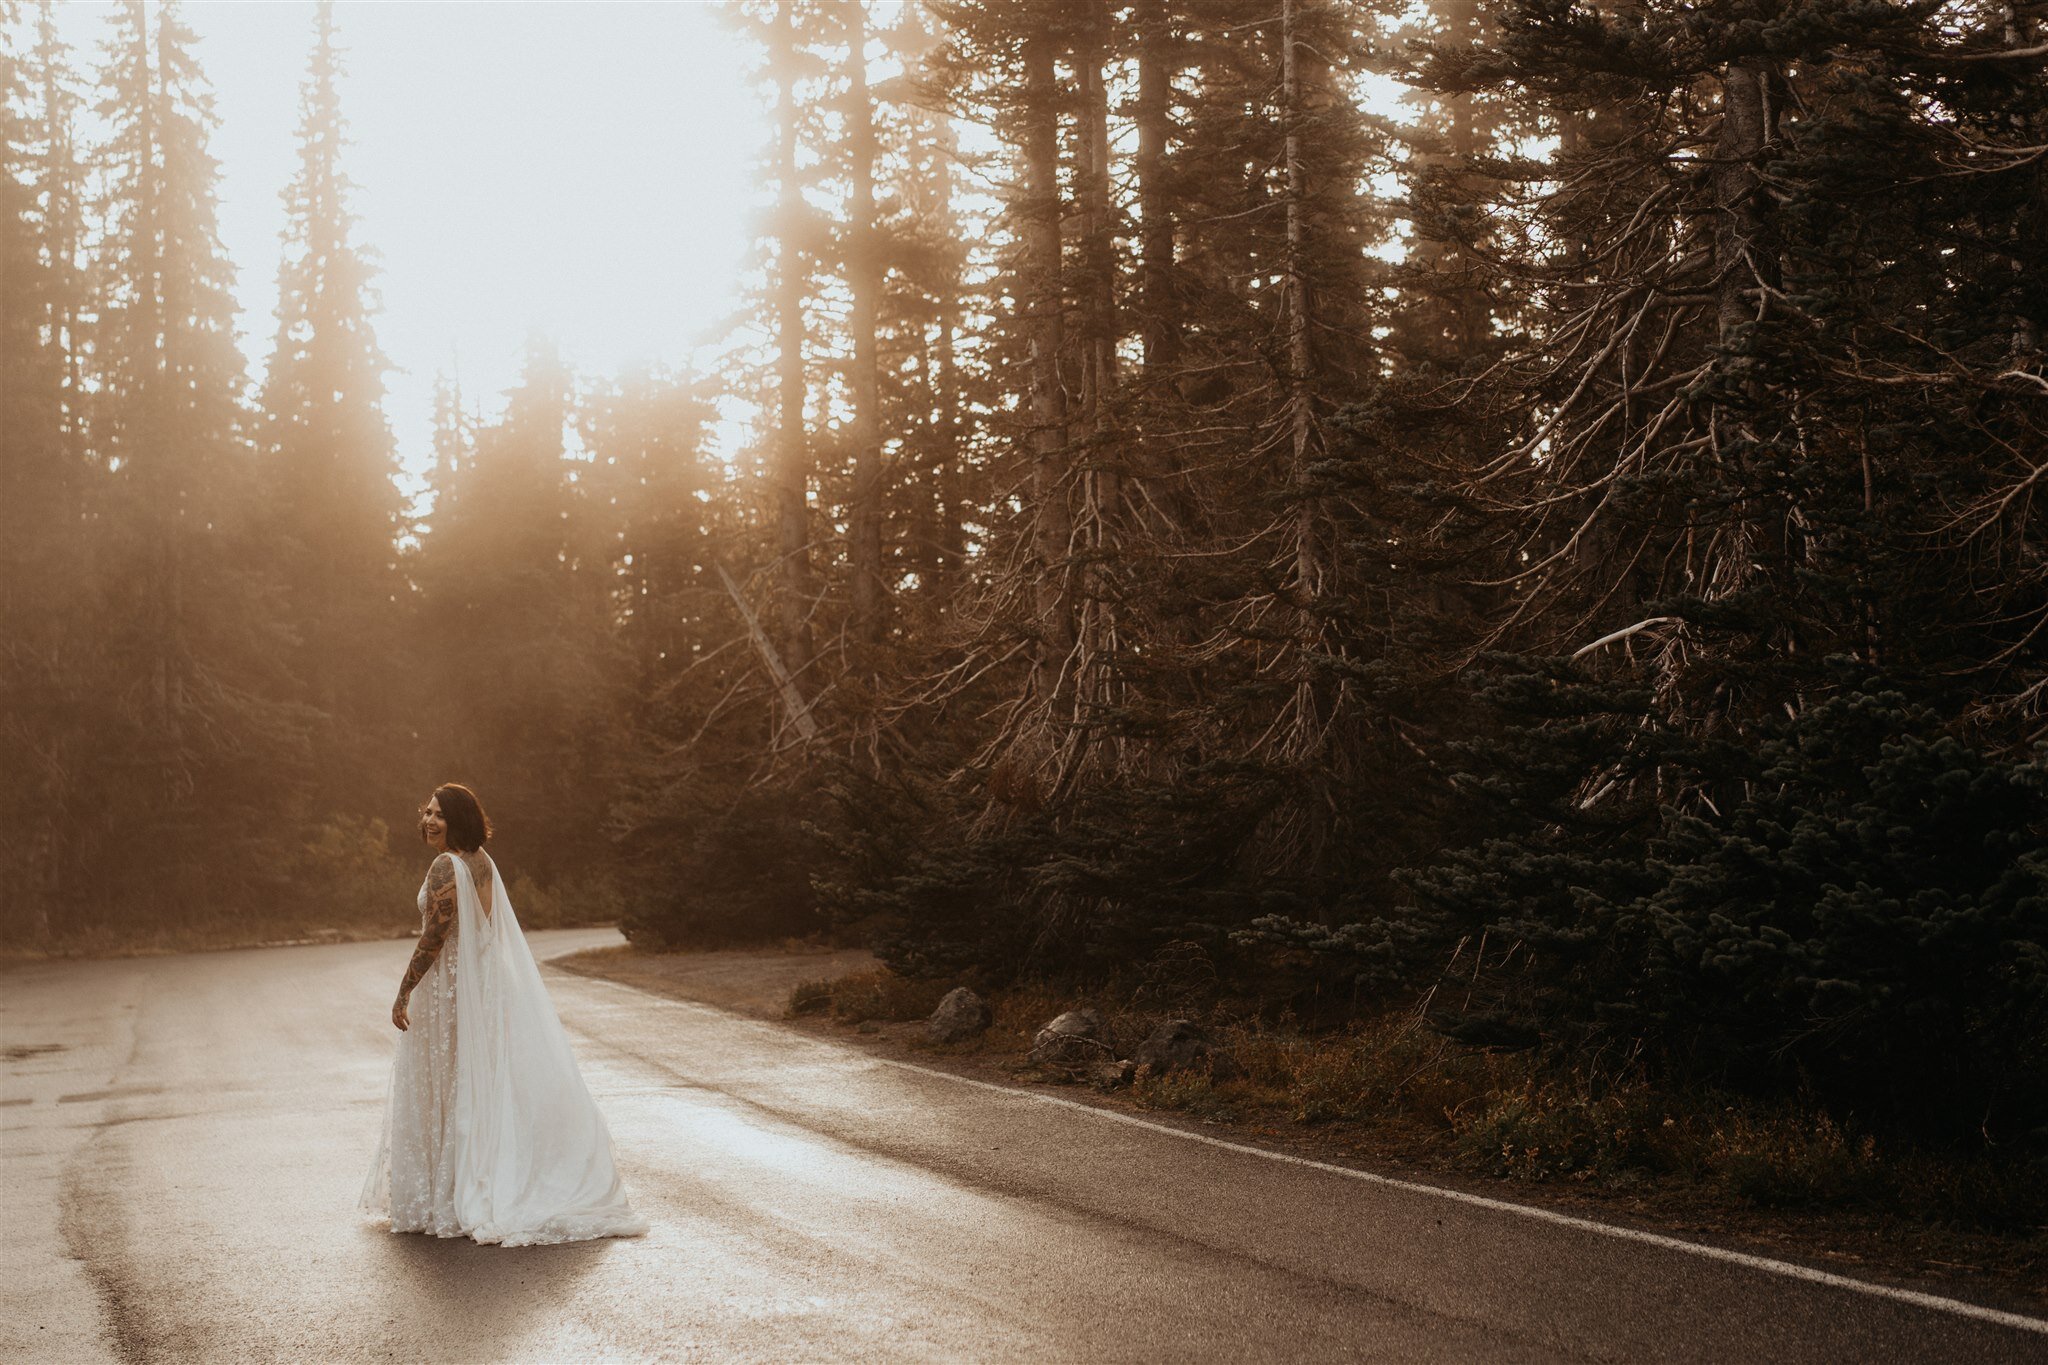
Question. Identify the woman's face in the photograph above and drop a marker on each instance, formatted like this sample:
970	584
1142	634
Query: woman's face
434	826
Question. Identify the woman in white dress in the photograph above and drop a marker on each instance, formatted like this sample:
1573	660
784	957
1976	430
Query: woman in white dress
489	1131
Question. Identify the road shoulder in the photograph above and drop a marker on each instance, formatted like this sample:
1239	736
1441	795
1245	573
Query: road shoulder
2001	1273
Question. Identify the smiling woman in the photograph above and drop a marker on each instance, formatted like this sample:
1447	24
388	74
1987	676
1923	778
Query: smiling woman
489	1131
578	169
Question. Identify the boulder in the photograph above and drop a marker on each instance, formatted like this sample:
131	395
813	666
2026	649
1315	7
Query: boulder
1075	1039
1179	1044
960	1016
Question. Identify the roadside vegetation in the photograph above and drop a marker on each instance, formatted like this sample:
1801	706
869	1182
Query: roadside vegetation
351	881
1392	1088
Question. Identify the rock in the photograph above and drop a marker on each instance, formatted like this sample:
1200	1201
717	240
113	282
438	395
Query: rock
1179	1044
960	1016
1075	1039
1108	1075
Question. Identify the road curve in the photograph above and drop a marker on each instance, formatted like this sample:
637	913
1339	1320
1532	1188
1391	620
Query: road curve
184	1138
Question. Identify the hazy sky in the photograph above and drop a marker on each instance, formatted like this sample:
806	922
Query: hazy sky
578	168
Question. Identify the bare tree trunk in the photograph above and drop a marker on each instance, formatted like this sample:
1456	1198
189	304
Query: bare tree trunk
864	283
1740	255
1465	322
1040	293
1097	263
61	182
1158	502
1744	264
2016	30
946	405
791	476
793	702
1101	484
1310	565
951	530
1160	325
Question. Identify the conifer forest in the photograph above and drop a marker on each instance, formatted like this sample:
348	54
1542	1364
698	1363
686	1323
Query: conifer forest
1563	549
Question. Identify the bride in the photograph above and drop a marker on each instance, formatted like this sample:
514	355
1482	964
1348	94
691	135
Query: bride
489	1131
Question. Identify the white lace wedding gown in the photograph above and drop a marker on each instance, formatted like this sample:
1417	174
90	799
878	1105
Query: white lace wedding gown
489	1130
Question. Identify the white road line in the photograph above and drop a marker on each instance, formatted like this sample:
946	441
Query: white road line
1787	1269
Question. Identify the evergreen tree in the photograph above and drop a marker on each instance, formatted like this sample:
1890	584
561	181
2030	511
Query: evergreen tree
648	493
517	642
1724	410
206	748
704	847
42	471
925	334
1760	411
1162	717
795	232
330	452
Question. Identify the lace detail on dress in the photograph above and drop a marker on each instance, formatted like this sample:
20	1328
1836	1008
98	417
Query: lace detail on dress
414	1173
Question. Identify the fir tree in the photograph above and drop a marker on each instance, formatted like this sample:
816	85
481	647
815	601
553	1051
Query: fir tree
42	473
647	493
200	759
795	233
516	629
1762	432
330	451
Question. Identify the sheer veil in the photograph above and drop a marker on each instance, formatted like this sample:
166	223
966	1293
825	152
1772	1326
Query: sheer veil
533	1157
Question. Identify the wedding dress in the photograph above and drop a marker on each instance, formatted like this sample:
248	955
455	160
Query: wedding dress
489	1130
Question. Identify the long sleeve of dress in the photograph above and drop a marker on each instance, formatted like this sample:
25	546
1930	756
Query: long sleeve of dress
440	918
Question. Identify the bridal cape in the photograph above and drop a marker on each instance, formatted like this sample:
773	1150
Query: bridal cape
489	1130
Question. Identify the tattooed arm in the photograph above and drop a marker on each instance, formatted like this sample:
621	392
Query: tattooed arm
440	919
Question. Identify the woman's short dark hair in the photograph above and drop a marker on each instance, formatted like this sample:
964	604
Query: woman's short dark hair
468	826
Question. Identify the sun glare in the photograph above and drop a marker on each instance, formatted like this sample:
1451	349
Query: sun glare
578	170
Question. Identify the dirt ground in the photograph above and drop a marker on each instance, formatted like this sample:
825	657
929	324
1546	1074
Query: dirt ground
754	981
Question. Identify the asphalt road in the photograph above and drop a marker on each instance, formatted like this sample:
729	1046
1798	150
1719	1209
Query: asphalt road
184	1139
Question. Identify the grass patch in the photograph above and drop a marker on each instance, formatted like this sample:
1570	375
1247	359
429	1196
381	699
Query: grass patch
878	995
1193	1092
810	997
1524	1116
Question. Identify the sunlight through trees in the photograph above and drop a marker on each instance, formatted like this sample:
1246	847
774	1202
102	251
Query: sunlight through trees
1181	496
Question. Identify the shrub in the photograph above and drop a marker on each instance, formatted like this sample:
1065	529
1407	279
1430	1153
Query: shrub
1855	910
736	874
880	994
347	874
1872	920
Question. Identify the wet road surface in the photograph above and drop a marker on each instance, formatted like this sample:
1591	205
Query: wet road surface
184	1139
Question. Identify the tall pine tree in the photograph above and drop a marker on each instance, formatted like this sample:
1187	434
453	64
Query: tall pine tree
207	748
330	456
